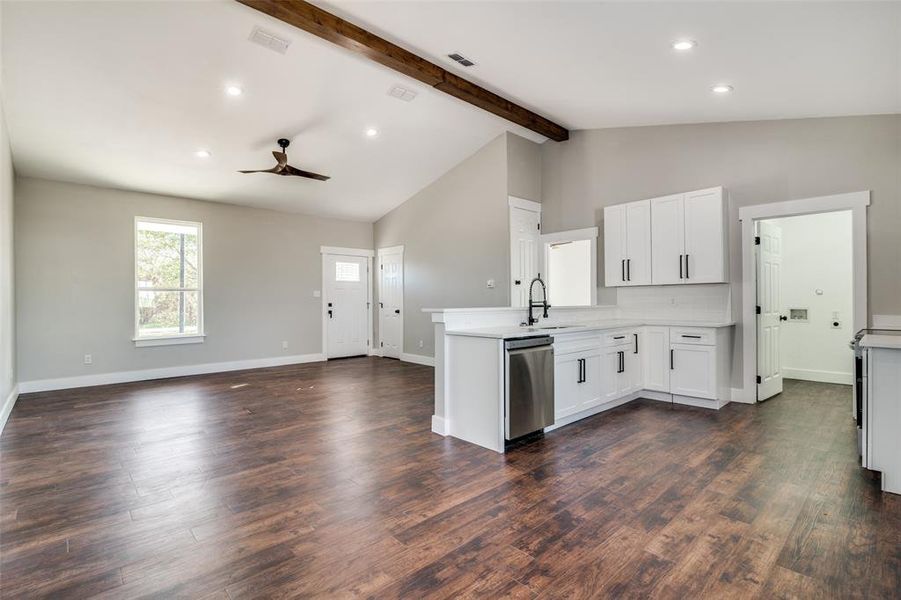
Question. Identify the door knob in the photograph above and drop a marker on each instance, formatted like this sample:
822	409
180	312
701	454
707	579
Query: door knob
329	314
397	311
783	318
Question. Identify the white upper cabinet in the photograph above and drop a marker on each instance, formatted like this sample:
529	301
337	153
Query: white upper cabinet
627	244
688	233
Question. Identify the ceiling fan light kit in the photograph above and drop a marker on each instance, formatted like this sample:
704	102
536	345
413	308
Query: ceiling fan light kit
283	168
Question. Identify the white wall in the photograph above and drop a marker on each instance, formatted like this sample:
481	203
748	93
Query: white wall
75	284
816	255
7	283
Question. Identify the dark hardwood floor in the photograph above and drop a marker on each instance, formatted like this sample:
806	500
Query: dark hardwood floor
324	480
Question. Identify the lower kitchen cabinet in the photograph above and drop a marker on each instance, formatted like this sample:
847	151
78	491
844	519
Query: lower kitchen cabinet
693	371
654	354
577	382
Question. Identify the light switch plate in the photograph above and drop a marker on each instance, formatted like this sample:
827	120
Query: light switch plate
490	284
317	294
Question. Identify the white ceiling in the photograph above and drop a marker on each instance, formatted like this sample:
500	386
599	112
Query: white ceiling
121	94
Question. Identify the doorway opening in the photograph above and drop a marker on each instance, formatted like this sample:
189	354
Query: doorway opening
805	300
762	362
346	301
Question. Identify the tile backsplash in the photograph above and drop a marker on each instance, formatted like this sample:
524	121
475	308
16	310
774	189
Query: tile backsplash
697	302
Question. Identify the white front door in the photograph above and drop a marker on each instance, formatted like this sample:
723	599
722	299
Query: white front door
769	302
346	297
391	301
524	234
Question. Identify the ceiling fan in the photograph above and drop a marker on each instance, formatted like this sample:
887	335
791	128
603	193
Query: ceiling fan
283	168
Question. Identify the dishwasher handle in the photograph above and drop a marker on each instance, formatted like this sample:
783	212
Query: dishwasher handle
530	342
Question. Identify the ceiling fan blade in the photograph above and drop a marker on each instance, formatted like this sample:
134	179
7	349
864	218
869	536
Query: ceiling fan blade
272	170
281	157
289	170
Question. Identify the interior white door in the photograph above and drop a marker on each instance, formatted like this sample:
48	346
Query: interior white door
391	302
769	319
668	233
346	295
524	233
704	237
638	243
615	245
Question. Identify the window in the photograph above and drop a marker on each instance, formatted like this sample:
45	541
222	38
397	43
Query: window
347	271
168	281
571	267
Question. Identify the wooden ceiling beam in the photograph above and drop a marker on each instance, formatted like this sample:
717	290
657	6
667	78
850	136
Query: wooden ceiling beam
327	26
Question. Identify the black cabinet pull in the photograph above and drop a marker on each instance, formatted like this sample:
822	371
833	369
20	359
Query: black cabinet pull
694	337
628	269
636	343
680	267
623	266
619	337
581	378
671	364
687	276
517	282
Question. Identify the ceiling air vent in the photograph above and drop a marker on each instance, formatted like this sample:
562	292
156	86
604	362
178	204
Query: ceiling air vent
269	40
401	93
456	57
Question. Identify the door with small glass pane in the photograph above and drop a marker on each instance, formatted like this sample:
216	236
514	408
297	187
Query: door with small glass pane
346	297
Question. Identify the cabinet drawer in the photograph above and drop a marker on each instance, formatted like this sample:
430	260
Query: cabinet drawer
618	338
576	344
693	335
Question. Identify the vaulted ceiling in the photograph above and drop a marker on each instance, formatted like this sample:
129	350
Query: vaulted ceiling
122	94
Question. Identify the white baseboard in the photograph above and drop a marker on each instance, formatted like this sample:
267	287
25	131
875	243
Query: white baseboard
738	395
821	376
684	400
419	359
63	383
375	352
439	425
7	407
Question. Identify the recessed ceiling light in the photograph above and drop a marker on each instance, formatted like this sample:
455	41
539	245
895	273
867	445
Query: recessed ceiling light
233	90
721	88
203	154
372	132
684	44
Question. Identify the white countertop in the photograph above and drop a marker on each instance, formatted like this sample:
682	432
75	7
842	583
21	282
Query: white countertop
873	340
507	332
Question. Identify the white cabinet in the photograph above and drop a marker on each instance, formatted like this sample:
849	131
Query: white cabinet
577	381
621	369
654	352
688	238
693	371
627	244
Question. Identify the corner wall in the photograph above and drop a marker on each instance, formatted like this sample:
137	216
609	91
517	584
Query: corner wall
75	290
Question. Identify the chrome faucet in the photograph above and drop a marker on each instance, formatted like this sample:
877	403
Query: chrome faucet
543	303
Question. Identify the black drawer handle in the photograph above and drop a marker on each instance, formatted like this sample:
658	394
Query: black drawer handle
619	337
636	343
671	363
694	337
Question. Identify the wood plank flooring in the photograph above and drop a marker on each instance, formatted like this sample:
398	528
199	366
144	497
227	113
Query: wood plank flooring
323	480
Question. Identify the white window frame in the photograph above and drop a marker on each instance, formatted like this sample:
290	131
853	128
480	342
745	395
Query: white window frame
181	338
576	235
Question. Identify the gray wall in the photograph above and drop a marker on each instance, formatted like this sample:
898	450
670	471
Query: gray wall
523	168
455	236
7	284
765	161
75	286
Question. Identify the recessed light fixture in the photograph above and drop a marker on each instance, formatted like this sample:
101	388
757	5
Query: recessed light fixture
372	132
203	154
721	88
684	45
233	90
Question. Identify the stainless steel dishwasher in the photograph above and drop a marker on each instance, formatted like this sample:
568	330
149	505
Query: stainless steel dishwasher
529	405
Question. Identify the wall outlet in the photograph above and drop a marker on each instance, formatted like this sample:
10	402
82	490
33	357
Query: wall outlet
285	345
836	324
421	344
490	284
88	359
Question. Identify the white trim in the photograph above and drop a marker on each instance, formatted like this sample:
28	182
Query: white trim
383	252
346	251
575	235
8	405
529	205
419	359
170	340
857	203
198	289
439	425
815	375
62	383
327	251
